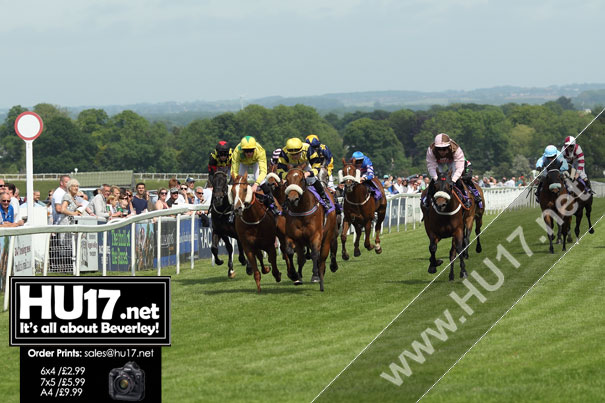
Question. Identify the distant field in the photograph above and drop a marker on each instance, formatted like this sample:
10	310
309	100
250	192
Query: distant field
288	343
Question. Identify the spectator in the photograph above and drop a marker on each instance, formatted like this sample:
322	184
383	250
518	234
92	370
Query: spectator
508	183
7	216
184	191
174	198
83	205
15	202
199	195
69	206
421	183
124	205
139	200
190	188
57	198
112	207
37	199
398	186
161	203
99	202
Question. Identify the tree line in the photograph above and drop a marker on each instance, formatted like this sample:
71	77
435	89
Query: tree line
499	140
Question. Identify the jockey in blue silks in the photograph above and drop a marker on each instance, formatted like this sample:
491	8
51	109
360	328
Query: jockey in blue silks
366	169
551	159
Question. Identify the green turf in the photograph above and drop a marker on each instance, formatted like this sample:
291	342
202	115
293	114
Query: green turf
288	343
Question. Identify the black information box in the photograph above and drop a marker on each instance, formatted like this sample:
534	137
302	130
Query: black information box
90	339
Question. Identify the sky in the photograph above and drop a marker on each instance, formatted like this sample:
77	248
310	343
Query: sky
116	52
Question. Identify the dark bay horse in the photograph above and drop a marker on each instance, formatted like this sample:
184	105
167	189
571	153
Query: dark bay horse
359	207
584	200
308	224
255	228
444	218
553	189
220	210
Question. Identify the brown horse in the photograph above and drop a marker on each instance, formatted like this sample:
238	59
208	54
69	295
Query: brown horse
444	218
474	215
308	224
359	207
584	200
553	192
255	227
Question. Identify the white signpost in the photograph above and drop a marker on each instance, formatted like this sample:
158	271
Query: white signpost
28	126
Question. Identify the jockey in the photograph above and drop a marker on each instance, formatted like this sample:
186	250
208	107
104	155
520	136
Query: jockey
295	153
444	154
319	153
366	169
249	155
572	152
220	157
551	159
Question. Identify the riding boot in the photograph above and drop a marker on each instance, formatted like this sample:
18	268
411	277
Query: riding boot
269	202
538	190
588	186
475	192
466	201
322	193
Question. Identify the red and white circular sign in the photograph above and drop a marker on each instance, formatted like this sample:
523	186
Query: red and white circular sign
28	126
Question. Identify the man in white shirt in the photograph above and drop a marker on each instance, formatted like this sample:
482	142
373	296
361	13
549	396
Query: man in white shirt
57	200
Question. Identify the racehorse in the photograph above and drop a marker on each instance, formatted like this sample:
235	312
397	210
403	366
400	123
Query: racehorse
359	207
473	215
445	218
554	190
255	228
584	200
308	224
220	210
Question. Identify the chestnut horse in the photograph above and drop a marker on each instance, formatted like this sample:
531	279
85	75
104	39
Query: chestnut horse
220	210
359	207
255	228
445	218
553	190
308	225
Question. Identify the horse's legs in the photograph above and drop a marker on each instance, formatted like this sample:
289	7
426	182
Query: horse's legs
433	249
550	224
229	246
260	257
578	215
368	233
300	259
334	251
478	224
290	250
272	257
356	251
378	228
253	267
343	237
456	250
588	207
242	255
214	248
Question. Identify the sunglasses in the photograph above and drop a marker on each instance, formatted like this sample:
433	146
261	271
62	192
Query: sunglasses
124	198
5	201
248	151
183	187
199	193
174	193
2	186
163	193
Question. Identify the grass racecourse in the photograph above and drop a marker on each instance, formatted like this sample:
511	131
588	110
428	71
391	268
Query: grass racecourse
288	343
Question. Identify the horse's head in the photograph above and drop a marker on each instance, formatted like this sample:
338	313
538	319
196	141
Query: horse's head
296	184
240	194
349	175
219	187
273	179
553	181
443	189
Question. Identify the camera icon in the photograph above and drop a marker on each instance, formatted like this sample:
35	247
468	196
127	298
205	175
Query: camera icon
127	383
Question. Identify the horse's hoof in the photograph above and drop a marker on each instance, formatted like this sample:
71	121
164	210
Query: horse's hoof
439	262
569	239
218	262
292	277
356	253
591	230
315	279
432	269
463	274
231	274
451	276
345	256
333	267
478	248
551	250
266	269
249	270
242	261
277	277
298	282
369	247
378	250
